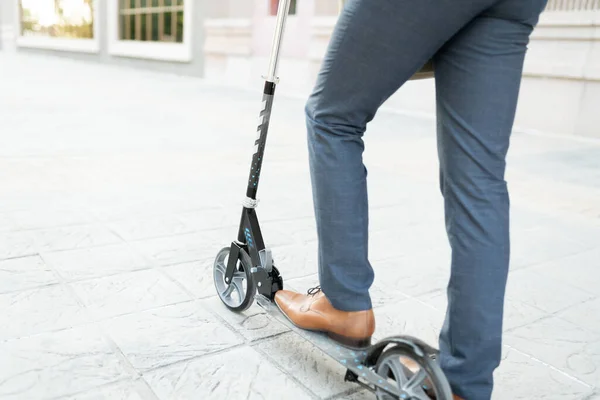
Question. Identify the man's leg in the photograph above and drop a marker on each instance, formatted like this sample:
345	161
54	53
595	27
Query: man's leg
377	45
375	48
478	75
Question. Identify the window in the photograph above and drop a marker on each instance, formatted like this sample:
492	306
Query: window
151	20
70	19
151	29
274	5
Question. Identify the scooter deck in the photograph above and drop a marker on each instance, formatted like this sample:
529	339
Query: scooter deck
352	359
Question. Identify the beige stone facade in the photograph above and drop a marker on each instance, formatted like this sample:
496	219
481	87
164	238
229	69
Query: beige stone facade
561	86
229	41
561	89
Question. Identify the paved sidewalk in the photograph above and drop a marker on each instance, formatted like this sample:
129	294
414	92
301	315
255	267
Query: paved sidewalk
118	187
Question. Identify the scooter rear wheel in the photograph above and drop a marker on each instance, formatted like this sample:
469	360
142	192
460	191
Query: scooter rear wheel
427	383
238	295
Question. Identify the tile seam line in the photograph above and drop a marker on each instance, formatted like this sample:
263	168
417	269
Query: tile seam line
551	367
280	368
117	352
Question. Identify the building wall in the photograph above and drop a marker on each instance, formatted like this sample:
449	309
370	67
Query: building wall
231	42
237	48
105	48
7	31
561	83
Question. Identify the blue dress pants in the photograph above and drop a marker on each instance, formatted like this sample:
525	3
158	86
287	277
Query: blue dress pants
478	48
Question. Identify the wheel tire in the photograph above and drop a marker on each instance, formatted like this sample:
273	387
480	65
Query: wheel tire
242	273
441	388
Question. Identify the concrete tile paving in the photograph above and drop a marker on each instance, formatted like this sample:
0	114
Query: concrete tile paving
115	201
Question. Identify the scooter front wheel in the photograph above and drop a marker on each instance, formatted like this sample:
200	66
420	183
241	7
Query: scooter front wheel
237	295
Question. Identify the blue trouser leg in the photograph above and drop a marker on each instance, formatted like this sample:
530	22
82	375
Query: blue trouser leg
377	45
375	48
478	74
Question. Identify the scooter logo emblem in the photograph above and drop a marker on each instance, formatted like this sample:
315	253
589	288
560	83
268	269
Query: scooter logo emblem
248	237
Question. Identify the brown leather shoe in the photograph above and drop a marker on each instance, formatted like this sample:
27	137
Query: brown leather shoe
314	312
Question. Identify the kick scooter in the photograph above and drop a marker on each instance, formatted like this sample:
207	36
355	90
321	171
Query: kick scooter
245	272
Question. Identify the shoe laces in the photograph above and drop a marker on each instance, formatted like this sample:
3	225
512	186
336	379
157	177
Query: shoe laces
314	290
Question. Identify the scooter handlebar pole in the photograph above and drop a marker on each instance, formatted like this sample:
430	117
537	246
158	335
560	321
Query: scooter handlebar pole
282	13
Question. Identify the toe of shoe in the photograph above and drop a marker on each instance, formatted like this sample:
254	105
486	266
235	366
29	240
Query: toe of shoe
285	298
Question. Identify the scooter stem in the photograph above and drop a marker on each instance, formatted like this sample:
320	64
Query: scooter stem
265	113
282	13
